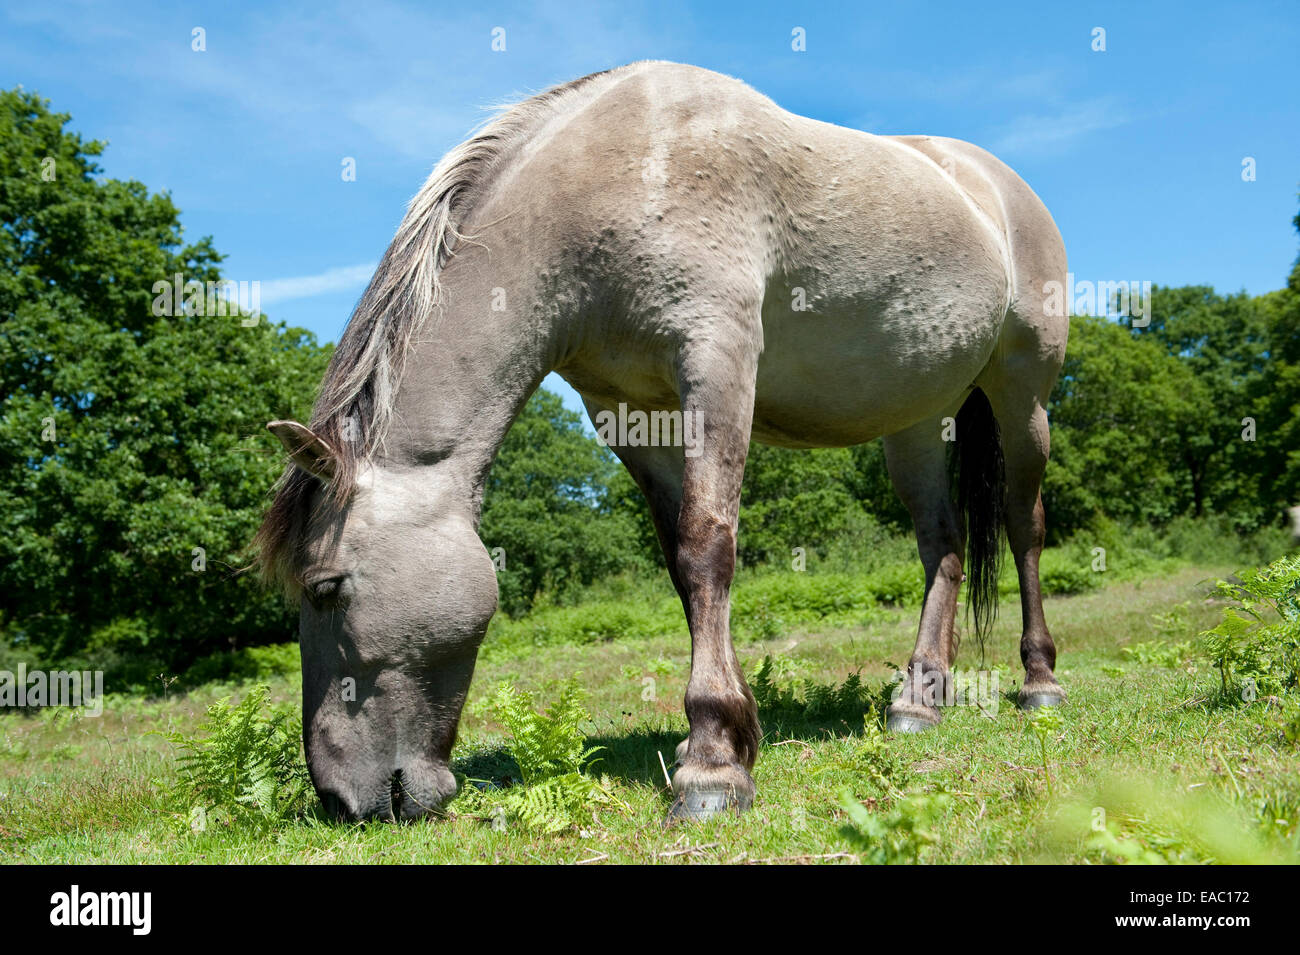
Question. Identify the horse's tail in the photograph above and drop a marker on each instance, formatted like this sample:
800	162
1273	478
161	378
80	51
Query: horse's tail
981	503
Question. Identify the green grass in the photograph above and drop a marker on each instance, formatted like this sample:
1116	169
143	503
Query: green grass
1147	764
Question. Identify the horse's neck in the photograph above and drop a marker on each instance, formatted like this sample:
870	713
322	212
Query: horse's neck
467	375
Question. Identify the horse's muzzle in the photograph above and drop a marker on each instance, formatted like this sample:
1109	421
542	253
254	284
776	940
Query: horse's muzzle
406	794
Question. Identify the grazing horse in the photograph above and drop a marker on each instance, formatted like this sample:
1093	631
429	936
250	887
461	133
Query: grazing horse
667	240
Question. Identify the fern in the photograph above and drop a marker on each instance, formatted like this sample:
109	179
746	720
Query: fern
769	694
1256	647
544	745
777	697
550	750
557	803
877	758
244	767
1046	723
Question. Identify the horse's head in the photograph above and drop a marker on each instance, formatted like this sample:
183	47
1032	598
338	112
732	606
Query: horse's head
396	593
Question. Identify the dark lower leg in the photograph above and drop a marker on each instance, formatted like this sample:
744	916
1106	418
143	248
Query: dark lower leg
723	742
918	467
928	682
1025	439
1025	532
713	773
699	548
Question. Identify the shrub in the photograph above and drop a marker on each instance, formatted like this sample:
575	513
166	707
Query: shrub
1256	647
245	765
1064	571
1129	819
1046	724
779	696
550	750
1158	653
899	836
249	663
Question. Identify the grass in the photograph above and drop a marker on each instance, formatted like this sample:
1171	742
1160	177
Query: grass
1146	764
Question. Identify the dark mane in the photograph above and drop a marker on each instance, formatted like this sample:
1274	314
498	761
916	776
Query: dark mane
355	401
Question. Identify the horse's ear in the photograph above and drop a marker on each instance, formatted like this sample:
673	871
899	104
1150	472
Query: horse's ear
307	449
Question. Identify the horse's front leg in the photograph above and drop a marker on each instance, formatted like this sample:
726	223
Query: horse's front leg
717	402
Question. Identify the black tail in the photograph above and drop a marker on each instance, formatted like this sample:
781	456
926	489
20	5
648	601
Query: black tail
981	486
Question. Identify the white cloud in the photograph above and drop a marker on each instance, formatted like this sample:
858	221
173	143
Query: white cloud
1051	134
308	286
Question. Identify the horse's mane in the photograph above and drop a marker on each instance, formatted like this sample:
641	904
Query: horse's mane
355	402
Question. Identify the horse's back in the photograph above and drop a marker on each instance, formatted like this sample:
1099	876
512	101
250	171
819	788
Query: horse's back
875	284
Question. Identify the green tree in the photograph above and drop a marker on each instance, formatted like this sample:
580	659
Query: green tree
796	499
1276	395
551	506
871	486
1223	341
1123	414
131	444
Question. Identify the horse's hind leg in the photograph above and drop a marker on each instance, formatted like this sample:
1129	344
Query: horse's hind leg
1023	422
917	461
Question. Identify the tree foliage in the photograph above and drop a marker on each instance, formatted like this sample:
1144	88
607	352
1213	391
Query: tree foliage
1197	413
551	506
130	444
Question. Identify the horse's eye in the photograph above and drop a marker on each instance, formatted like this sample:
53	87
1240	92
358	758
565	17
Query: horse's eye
326	592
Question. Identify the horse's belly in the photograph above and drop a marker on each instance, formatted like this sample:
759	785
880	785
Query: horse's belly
841	377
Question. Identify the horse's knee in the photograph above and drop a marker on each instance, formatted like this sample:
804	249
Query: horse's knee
706	551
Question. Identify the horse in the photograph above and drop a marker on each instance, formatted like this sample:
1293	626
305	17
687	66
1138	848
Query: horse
667	239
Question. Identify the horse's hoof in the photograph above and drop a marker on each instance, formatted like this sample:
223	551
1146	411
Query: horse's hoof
696	805
1032	701
902	723
904	716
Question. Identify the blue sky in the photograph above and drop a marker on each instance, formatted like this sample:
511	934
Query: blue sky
1137	150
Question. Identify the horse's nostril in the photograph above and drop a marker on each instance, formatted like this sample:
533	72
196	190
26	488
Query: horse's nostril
398	794
333	806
